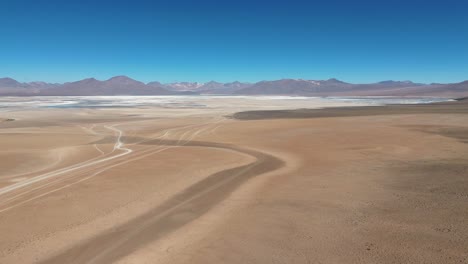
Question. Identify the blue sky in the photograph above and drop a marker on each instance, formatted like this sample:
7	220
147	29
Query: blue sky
356	41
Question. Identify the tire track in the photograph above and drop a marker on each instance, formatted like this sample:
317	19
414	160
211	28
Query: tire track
84	168
179	210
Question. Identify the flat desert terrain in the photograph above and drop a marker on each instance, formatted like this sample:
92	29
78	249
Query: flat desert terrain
235	183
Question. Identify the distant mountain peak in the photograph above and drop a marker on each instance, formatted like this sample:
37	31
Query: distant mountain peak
184	86
335	81
85	81
393	82
121	78
7	81
213	82
124	85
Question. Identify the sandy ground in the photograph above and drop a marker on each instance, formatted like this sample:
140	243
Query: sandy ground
382	185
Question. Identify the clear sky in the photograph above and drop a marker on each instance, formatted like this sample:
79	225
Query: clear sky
356	41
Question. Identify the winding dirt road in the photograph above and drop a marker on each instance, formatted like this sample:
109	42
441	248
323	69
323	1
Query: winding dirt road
39	185
177	211
174	213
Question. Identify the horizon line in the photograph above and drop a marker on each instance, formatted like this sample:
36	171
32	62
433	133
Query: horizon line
250	82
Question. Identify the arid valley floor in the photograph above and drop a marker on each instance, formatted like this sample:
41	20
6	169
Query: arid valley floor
383	184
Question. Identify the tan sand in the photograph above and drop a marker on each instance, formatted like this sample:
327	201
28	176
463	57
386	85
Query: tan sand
142	186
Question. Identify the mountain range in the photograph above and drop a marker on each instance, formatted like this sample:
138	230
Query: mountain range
122	85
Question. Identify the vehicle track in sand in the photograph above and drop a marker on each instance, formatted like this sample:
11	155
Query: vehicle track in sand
41	185
177	211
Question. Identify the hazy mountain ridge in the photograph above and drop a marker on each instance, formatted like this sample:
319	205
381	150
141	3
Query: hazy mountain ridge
209	87
9	86
123	85
334	87
118	85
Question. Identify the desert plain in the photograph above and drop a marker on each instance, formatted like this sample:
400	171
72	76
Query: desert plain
235	183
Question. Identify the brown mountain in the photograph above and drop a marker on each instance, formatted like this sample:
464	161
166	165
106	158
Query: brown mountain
9	86
122	85
296	87
119	85
453	90
333	87
156	84
10	83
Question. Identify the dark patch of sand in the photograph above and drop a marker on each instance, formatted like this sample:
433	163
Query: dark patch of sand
456	132
425	215
452	107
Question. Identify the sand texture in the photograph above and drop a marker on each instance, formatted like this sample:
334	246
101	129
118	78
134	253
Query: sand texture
385	184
